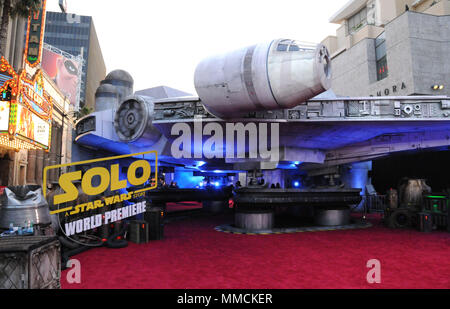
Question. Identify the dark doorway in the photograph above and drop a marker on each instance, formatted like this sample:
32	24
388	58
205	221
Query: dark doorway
432	166
4	170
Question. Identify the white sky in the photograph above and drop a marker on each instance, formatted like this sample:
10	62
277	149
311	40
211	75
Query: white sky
161	42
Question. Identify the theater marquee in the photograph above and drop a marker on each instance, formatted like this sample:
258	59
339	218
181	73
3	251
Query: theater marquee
26	109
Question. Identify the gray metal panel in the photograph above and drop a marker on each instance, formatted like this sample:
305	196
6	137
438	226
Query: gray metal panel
162	92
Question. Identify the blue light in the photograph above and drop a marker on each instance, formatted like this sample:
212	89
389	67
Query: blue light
187	180
296	184
218	171
201	163
217	184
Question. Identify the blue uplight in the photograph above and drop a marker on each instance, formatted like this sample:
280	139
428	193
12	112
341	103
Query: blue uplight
296	184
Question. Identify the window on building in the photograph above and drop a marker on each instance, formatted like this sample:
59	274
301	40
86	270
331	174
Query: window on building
380	53
357	21
294	46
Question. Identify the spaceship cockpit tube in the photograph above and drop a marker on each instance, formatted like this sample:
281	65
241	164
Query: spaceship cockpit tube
276	75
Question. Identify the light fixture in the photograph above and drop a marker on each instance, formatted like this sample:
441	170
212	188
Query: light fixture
441	87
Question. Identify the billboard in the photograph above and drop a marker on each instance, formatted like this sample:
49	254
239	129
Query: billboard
32	127
65	72
4	116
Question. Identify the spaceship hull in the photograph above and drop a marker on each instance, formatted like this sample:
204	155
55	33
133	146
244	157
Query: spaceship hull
276	75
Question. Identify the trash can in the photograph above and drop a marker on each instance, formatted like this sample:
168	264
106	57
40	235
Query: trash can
23	204
154	216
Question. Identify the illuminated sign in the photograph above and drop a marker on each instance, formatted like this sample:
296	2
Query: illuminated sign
4	116
32	127
121	187
25	110
33	96
35	36
8	78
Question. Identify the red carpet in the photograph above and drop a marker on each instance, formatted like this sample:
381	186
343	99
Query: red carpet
182	206
193	255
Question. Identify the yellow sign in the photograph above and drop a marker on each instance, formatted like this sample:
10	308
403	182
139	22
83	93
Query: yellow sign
32	127
109	178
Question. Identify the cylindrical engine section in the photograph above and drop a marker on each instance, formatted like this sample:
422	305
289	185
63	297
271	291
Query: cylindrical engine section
276	75
231	84
122	81
298	71
106	97
133	122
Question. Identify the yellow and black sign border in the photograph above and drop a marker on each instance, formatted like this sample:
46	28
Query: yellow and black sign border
48	168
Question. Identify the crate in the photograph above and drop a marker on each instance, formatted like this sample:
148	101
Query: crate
435	204
155	218
30	262
138	232
425	222
438	206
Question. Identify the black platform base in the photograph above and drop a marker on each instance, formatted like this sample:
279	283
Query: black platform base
290	230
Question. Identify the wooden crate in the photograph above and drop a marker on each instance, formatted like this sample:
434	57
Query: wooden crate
30	262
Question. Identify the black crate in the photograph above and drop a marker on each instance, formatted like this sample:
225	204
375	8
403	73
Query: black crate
438	206
138	231
30	262
425	222
155	218
448	219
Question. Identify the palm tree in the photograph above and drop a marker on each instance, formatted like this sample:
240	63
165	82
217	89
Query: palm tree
84	111
15	8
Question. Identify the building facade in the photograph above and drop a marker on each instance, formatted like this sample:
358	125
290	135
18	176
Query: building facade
23	163
14	42
36	118
391	48
76	35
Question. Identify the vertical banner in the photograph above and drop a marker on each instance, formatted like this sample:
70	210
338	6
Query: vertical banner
35	36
